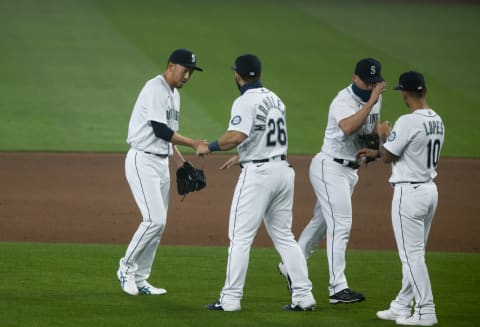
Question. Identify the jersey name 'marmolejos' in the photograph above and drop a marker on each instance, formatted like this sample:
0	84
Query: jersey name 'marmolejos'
263	109
260	114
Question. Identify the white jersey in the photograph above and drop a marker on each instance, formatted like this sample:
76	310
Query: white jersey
417	139
156	102
335	143
260	114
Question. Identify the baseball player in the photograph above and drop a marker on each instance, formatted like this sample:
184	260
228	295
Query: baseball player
413	147
264	189
333	173
152	135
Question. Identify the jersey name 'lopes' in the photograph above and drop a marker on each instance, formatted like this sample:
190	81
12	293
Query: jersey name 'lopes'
260	114
417	138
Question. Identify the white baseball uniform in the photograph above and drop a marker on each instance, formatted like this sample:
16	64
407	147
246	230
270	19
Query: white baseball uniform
333	183
417	139
264	191
147	172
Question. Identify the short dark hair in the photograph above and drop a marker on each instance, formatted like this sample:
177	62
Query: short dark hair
250	79
418	94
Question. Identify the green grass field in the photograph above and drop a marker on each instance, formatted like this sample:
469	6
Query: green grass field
70	71
75	285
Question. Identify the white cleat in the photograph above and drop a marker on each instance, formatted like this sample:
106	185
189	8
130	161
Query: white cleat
147	289
127	282
390	314
415	320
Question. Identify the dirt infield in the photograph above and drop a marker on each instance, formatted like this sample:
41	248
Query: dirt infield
66	197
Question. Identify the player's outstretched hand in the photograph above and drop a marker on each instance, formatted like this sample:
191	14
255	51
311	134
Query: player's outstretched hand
231	162
202	149
197	143
366	155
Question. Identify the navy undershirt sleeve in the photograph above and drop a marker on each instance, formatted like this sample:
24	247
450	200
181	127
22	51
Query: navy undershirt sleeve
162	131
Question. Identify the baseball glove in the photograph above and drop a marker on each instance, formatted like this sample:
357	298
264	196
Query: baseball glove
190	179
370	141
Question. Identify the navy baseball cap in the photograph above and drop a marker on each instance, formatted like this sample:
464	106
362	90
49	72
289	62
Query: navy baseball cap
411	81
369	70
185	58
248	65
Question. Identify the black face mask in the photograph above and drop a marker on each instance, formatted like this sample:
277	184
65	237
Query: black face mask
362	94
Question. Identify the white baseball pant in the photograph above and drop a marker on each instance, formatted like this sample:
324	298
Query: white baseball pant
263	191
149	179
413	209
333	185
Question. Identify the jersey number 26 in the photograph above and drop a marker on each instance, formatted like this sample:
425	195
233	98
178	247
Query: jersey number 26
276	132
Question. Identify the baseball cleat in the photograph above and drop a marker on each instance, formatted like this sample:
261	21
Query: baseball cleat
346	296
127	282
217	306
416	320
147	289
293	307
283	271
390	314
306	303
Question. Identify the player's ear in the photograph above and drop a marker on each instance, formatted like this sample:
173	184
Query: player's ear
171	66
239	79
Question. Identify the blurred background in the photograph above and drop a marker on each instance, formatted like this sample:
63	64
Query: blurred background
71	70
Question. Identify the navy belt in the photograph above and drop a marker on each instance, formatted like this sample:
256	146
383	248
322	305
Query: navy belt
156	154
282	157
347	163
276	158
410	183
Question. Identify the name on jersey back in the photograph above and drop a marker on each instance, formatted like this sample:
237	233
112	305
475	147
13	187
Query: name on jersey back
433	127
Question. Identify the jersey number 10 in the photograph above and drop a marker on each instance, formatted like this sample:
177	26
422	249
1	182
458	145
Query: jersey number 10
276	132
433	148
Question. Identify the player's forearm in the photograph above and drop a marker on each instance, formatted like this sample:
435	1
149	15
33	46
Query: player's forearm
354	122
386	156
165	133
179	139
228	141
